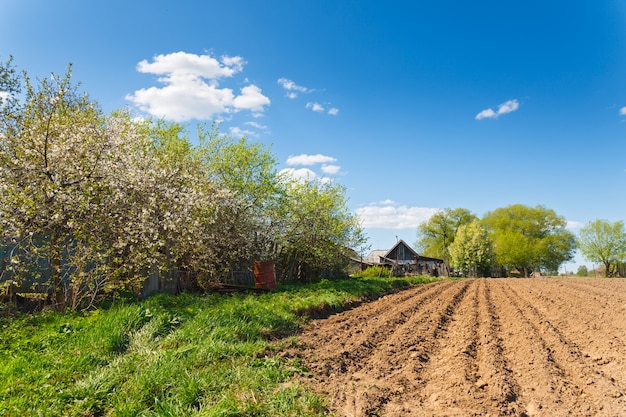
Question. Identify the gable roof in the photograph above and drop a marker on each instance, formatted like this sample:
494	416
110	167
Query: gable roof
403	249
401	252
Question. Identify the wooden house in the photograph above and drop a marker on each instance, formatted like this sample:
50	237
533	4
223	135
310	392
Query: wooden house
403	260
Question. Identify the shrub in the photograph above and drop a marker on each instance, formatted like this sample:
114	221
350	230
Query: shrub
376	271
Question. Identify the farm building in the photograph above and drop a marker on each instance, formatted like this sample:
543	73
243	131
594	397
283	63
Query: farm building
403	260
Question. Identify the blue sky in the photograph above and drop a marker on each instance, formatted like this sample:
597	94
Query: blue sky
414	106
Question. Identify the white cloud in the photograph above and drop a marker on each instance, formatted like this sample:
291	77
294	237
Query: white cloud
304	174
572	224
319	108
4	95
508	107
316	107
622	111
327	167
257	125
299	174
330	169
180	64
251	98
504	108
191	88
292	88
388	215
305	159
292	91
486	114
238	132
236	62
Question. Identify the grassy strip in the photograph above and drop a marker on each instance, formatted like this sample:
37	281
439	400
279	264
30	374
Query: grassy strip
192	355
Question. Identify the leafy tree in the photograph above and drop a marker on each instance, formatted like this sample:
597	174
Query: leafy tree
318	230
437	234
528	238
604	242
472	253
583	271
248	171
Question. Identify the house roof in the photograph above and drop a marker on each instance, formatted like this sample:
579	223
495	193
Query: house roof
376	256
402	243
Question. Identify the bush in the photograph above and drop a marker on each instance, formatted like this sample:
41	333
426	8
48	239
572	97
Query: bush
376	271
582	271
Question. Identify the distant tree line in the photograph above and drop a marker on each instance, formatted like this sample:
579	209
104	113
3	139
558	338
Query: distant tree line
92	203
518	240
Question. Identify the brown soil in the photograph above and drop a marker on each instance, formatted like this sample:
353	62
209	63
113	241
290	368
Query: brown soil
485	347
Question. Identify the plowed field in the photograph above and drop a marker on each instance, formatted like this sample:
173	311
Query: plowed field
483	347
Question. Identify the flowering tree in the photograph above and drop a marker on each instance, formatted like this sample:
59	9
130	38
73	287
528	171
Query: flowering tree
92	202
51	150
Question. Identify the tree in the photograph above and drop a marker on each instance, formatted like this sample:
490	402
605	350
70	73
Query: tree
51	148
437	234
604	242
248	171
318	230
472	253
528	238
583	271
162	205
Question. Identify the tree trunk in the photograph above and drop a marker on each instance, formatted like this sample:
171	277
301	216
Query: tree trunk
55	272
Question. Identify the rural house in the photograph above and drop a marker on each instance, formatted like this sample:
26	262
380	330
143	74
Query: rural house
403	260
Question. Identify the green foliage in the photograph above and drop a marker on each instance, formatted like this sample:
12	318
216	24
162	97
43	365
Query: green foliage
317	230
376	271
437	234
604	242
529	238
583	271
183	355
472	251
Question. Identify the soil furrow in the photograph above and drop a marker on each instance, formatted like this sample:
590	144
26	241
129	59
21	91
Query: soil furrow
452	370
579	305
596	339
495	376
366	379
487	347
356	333
545	388
585	379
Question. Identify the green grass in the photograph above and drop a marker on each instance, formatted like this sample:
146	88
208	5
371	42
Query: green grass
189	355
